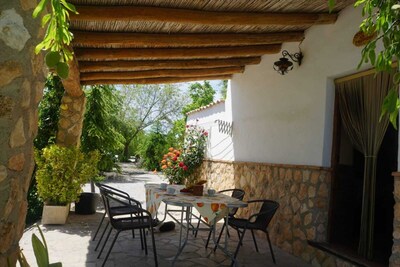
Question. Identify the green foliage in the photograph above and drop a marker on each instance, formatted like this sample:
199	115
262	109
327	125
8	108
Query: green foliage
145	105
178	165
35	206
382	19
99	132
57	38
153	148
224	88
49	112
386	25
201	95
41	252
62	171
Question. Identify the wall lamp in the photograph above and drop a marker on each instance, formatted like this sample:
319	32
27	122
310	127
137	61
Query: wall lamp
283	65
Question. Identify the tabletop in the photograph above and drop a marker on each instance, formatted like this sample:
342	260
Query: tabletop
211	208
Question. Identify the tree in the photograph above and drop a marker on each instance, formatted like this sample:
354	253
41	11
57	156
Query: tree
98	132
153	147
224	88
201	95
49	112
144	105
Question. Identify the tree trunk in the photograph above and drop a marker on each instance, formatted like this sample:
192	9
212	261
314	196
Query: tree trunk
126	152
22	89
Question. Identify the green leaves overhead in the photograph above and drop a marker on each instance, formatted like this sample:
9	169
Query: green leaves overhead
57	37
52	58
62	70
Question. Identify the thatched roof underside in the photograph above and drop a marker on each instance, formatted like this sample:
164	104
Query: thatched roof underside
155	41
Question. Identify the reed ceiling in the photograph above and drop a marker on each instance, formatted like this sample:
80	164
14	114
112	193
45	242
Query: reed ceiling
155	41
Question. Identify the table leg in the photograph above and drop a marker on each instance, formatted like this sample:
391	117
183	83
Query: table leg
181	246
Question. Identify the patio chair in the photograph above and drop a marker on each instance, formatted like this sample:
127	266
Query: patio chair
257	221
140	220
119	209
235	193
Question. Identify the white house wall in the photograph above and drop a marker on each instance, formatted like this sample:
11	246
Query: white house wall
220	144
288	118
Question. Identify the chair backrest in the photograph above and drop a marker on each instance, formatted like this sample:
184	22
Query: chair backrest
115	191
266	213
235	193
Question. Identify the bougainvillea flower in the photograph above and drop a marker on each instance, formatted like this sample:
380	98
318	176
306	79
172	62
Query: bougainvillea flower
181	164
175	159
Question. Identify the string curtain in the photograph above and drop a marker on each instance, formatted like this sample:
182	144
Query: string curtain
360	104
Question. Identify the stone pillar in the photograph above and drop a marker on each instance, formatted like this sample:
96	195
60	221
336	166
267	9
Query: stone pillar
395	257
22	76
71	120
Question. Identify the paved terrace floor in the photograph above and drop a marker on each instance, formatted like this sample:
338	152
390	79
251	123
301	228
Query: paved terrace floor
71	243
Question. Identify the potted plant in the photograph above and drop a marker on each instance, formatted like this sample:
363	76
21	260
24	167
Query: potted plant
61	173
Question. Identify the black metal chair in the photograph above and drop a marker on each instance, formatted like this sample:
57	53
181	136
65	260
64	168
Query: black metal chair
257	221
119	209
235	193
140	220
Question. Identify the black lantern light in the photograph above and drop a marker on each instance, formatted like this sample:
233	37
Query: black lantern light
283	65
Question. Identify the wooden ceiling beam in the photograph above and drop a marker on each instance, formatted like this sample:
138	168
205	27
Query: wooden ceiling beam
136	65
136	13
130	75
142	40
160	80
90	54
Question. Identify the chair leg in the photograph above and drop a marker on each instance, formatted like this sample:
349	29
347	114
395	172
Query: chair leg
133	233
154	246
237	230
238	246
219	237
145	241
98	227
109	251
102	235
254	239
104	244
141	238
197	228
270	248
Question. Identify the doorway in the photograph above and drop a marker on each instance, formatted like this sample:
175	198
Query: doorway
347	192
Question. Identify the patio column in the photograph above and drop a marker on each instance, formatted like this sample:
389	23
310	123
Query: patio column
72	109
22	76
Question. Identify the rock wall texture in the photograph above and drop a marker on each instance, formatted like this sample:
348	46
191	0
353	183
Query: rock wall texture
395	258
71	120
303	195
22	76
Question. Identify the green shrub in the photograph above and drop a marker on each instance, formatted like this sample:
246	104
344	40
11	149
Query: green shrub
62	171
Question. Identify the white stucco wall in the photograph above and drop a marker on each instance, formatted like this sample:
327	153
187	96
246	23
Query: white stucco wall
288	118
219	144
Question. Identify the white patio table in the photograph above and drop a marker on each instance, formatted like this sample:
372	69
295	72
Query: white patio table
211	209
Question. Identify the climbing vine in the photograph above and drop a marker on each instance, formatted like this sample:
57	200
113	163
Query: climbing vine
382	19
57	37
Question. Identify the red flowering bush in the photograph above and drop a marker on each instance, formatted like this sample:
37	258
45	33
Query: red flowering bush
179	164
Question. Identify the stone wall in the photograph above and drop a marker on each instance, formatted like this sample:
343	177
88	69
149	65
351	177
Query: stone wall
22	76
303	195
70	125
395	257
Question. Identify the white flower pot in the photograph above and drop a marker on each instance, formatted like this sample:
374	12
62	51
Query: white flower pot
55	214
